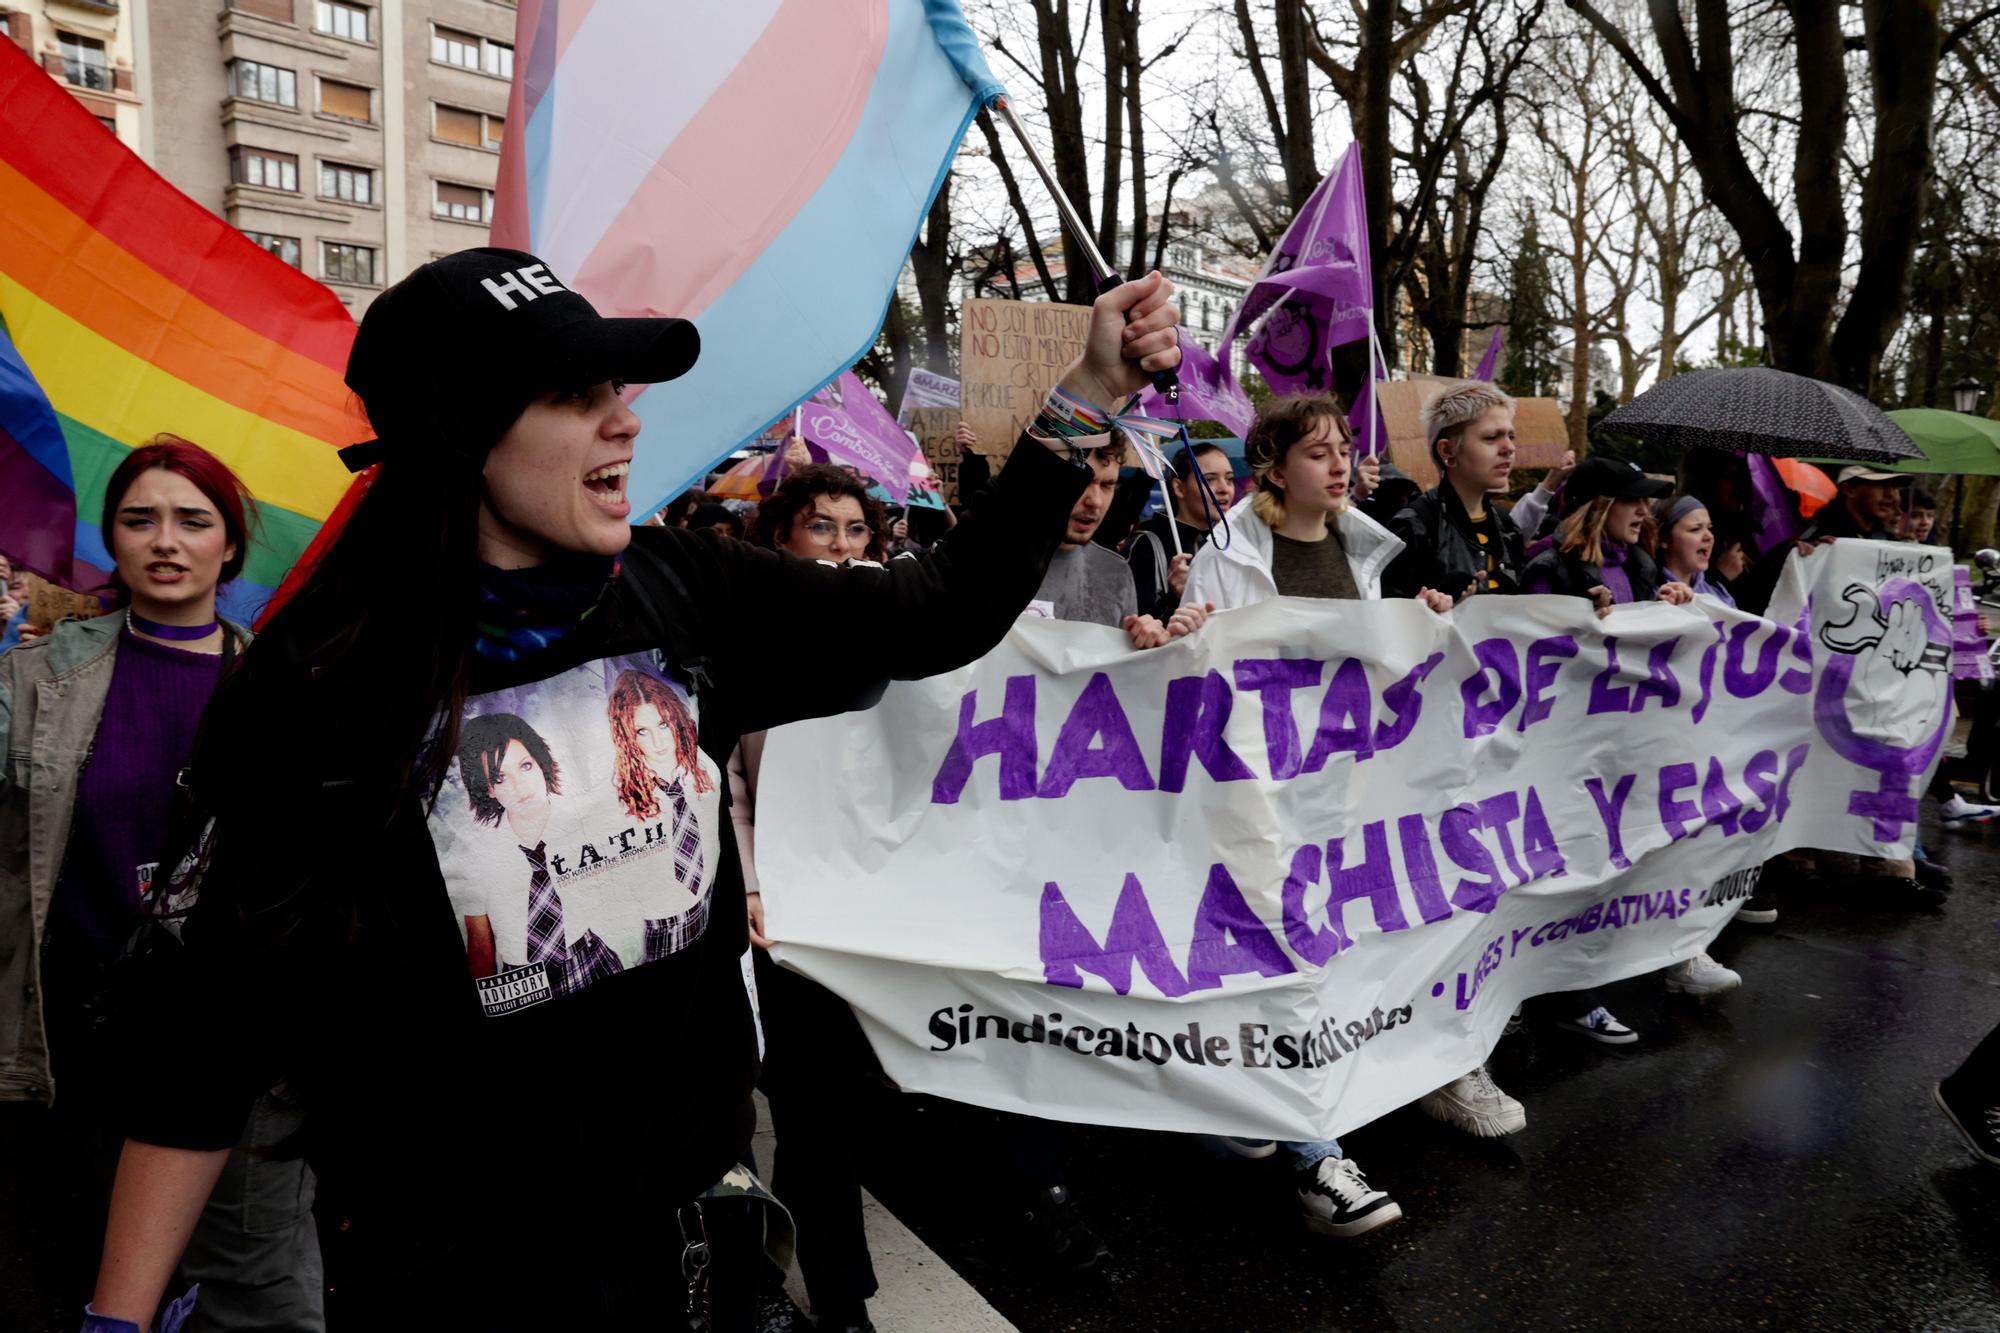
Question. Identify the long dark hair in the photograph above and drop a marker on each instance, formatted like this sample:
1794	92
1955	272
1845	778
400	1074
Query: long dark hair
377	642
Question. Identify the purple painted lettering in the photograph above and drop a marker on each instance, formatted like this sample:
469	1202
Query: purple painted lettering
1010	735
1458	830
1606	696
1660	682
1346	717
1544	664
1405	702
1676	814
1420	868
1611	810
1483	718
1228	937
1274	679
1067	944
1096	714
1198	709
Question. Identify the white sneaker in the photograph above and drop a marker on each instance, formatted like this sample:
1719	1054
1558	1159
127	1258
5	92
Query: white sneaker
1961	813
1701	975
1476	1105
1337	1201
1599	1025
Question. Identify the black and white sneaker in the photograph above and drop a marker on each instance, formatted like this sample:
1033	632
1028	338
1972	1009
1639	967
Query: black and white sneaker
1061	1234
1977	1124
1337	1201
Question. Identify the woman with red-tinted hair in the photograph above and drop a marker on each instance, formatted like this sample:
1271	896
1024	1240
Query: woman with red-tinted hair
103	712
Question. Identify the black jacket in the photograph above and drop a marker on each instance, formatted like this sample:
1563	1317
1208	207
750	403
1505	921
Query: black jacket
1150	552
1442	550
543	1152
1568	575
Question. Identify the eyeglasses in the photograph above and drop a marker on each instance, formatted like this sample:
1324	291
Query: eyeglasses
822	530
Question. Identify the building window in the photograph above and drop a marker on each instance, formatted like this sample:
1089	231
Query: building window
356	185
468	50
346	263
271	171
263	83
284	247
474	129
108	123
83	62
346	21
464	203
454	48
349	101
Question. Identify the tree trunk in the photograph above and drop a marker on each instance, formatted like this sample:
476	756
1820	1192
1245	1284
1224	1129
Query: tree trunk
1296	147
1063	99
998	153
1373	69
1111	22
1579	365
930	264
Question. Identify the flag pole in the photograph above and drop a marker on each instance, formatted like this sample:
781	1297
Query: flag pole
1173	519
1166	381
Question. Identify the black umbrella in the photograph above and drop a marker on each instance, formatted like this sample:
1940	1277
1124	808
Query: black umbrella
1763	411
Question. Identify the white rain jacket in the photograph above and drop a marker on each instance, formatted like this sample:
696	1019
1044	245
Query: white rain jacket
1241	574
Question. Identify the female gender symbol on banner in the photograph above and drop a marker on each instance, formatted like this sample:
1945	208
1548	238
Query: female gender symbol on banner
1907	670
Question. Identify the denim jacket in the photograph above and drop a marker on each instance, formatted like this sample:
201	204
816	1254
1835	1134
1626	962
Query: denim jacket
52	693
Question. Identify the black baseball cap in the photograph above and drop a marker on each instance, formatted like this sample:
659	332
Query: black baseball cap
460	347
1599	477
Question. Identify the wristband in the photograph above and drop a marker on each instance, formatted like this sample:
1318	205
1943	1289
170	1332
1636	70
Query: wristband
1066	416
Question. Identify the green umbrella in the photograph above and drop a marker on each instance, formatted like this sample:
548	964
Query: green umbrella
1955	443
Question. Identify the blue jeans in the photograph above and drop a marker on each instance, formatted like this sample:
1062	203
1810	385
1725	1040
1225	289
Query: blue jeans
1305	1156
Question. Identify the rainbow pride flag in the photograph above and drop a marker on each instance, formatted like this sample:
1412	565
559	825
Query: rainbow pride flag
126	310
760	167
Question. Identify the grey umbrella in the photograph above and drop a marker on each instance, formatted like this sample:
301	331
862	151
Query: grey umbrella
1763	411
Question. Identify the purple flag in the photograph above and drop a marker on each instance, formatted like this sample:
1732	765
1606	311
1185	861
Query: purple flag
1367	444
1209	392
1489	362
1316	291
1772	510
845	420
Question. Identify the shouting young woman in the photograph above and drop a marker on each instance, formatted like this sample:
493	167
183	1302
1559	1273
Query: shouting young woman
528	1149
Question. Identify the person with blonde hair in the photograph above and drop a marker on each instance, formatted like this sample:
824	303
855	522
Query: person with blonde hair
1600	549
1296	534
1452	538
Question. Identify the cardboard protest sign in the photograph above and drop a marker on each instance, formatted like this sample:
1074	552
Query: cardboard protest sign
1011	353
934	428
1296	870
48	603
927	388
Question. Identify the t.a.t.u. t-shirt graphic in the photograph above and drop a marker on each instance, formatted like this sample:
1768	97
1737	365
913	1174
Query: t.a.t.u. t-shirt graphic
578	830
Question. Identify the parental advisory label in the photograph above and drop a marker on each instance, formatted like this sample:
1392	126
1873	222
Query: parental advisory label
509	991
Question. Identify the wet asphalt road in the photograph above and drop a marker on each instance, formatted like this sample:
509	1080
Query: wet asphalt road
1767	1159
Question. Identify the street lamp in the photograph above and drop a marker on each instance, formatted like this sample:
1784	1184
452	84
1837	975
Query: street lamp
1965	394
1964	397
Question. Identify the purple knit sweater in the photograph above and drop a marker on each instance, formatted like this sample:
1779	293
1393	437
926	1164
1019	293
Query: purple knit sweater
125	794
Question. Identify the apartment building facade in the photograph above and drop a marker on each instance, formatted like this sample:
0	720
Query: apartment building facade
352	140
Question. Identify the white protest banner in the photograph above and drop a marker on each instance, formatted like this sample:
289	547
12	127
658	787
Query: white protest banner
1283	876
1010	354
926	388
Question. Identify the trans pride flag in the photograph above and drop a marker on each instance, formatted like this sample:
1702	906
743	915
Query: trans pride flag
127	309
760	167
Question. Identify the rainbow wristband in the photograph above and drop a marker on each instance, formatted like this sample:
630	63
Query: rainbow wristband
1065	416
